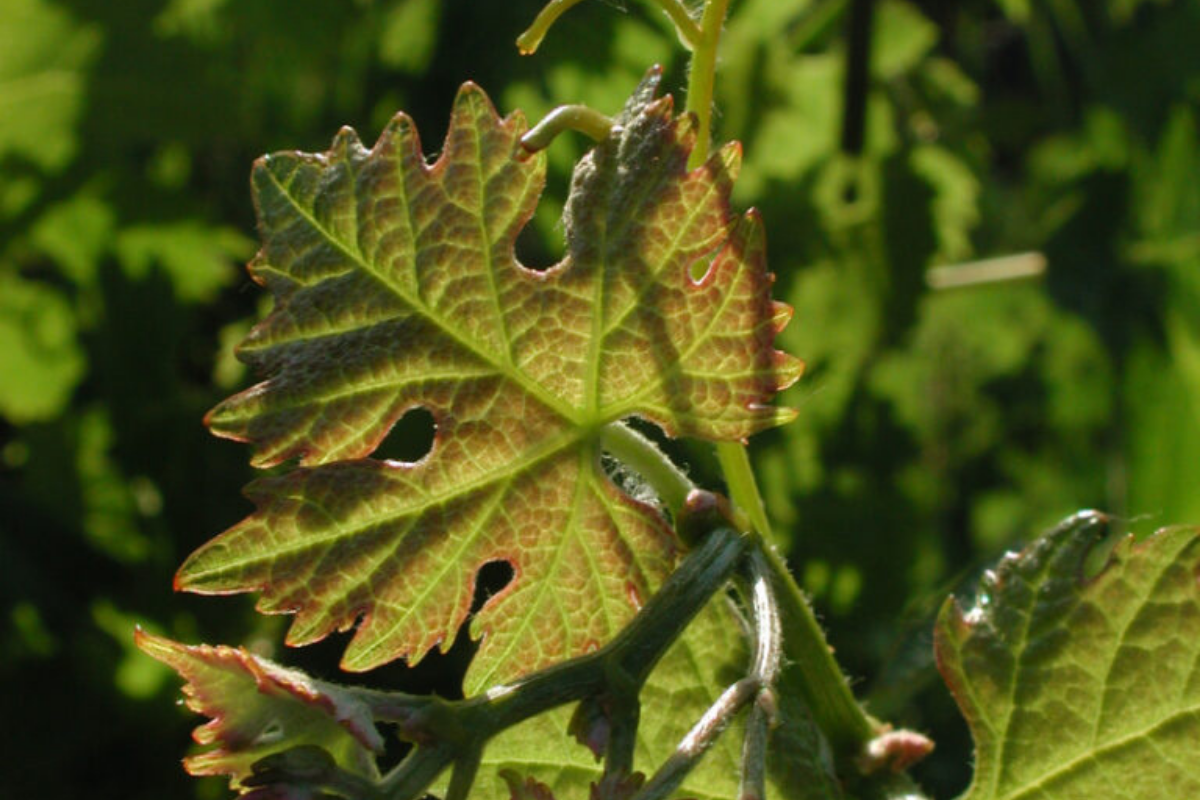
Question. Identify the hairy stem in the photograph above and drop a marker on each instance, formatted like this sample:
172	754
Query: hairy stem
825	690
642	456
824	687
768	641
702	77
734	459
689	31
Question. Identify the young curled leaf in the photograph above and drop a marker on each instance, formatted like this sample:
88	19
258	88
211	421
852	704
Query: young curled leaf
260	709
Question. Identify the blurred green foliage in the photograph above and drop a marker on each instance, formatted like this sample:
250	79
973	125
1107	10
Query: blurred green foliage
939	427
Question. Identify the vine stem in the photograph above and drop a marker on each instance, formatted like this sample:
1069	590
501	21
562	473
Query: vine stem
642	456
699	739
689	32
702	76
531	38
566	118
825	689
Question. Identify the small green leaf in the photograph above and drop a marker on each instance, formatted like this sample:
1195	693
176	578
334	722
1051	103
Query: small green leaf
397	288
259	709
1078	687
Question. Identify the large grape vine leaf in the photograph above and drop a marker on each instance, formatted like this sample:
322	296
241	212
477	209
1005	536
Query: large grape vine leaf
1080	687
397	287
258	708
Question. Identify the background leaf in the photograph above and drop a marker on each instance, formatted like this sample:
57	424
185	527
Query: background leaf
1075	686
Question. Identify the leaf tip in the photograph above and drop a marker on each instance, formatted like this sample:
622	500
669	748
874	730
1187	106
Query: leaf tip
726	162
154	646
787	369
781	315
473	99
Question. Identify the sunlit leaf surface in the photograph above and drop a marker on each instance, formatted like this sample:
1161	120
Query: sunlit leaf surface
1078	687
397	288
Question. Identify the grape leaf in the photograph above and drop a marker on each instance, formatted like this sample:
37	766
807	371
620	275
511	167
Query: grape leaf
259	708
1079	687
397	287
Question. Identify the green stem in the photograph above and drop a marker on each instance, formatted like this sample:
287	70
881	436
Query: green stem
642	456
822	684
702	77
580	118
734	459
531	38
819	679
462	778
689	31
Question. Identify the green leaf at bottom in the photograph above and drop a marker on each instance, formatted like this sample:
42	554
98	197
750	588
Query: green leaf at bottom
1080	687
710	655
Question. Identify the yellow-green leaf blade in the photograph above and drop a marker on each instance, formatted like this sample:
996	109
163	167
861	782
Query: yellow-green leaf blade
397	288
1078	687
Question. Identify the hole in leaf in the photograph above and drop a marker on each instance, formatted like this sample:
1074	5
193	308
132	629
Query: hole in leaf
271	734
532	249
394	750
541	242
410	439
491	580
700	267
